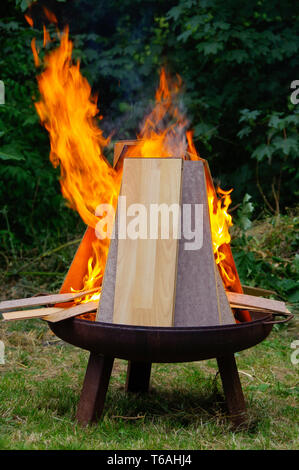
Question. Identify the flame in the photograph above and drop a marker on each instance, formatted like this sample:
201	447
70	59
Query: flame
94	276
29	20
50	15
163	131
164	134
69	112
220	221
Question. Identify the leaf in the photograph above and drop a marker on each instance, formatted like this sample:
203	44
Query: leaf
174	13
247	115
275	121
24	4
286	145
263	151
185	35
210	48
244	212
244	132
6	156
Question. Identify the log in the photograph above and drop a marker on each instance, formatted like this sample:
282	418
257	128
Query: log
65	313
8	305
51	314
251	301
27	314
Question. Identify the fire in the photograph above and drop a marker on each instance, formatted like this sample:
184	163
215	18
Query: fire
164	135
163	131
220	220
69	112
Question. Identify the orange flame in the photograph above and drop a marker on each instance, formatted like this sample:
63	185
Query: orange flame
163	131
50	16
69	113
29	20
220	220
164	135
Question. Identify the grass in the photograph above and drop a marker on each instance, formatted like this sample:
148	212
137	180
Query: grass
42	378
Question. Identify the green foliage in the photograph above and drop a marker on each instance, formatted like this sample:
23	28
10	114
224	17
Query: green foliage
244	213
276	158
266	254
237	62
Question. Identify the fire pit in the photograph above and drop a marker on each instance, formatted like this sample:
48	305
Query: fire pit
142	346
201	323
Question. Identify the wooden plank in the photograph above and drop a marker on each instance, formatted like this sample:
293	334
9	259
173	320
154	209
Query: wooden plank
199	301
65	313
8	305
252	309
257	291
146	268
259	302
120	149
106	304
226	314
27	314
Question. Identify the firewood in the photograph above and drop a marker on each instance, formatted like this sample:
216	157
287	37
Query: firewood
200	294
27	314
141	298
250	301
65	313
8	305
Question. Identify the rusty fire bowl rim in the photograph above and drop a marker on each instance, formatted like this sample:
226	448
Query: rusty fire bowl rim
163	344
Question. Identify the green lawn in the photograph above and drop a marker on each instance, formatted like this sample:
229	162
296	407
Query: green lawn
42	378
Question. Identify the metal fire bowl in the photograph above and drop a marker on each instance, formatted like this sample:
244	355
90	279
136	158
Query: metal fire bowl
157	344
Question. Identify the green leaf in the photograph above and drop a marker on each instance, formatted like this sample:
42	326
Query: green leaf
210	48
24	4
247	115
6	156
174	13
244	213
263	151
244	132
275	121
288	145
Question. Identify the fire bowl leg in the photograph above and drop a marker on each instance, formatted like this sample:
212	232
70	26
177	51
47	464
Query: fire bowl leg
94	389
138	377
232	389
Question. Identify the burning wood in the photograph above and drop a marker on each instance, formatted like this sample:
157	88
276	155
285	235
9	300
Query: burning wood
69	112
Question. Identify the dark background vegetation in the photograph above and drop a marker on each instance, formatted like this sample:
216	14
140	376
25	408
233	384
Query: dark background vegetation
237	61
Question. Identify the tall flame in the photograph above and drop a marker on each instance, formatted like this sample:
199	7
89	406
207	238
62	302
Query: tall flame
69	112
164	134
163	131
